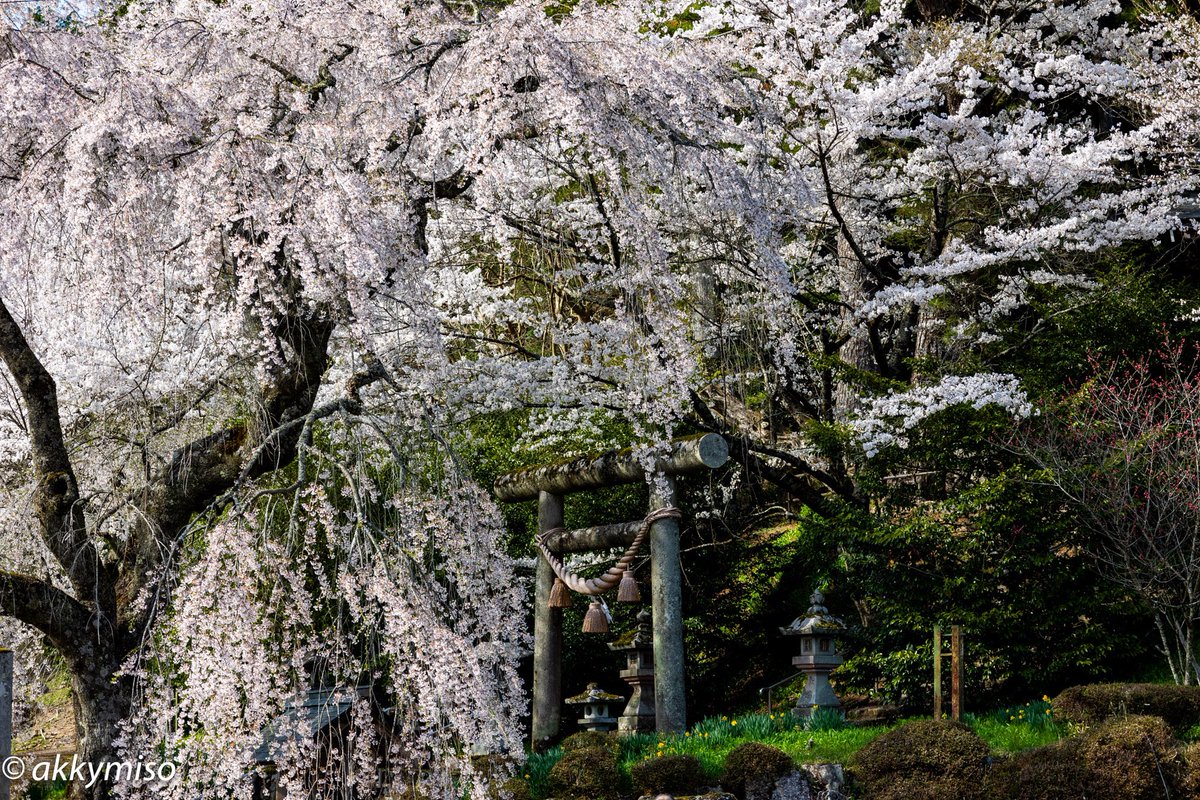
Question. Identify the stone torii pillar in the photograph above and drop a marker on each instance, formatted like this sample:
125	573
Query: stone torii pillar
548	483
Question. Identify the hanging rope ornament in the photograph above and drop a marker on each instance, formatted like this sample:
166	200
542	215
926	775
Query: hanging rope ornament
628	591
597	618
560	596
620	573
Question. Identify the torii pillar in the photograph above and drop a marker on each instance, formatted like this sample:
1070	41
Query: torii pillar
548	483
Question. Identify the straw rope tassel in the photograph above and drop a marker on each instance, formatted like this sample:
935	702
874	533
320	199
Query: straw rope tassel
560	596
595	620
629	591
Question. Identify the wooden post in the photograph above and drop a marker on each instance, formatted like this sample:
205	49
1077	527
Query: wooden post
547	637
667	597
937	671
6	697
956	673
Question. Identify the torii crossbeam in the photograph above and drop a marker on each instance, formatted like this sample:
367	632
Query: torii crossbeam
549	483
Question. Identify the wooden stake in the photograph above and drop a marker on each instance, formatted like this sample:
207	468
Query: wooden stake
956	653
937	671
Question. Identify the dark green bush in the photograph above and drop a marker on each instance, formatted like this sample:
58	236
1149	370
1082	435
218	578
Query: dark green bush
1179	706
754	763
919	760
674	774
590	772
587	740
1135	758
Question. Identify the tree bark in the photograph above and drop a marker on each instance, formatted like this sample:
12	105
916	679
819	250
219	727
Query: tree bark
101	702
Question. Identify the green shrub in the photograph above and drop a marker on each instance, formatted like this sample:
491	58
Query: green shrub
1179	706
929	759
672	774
1128	759
587	740
589	773
754	763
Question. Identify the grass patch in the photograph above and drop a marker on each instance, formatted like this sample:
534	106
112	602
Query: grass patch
826	738
1012	730
537	770
52	790
807	741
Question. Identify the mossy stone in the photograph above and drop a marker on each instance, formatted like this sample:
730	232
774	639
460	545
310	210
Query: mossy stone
1135	758
1092	704
586	740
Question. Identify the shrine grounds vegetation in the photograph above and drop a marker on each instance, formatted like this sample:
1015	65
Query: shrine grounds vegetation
1024	751
1004	732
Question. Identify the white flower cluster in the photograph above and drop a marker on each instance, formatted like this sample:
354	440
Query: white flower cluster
886	421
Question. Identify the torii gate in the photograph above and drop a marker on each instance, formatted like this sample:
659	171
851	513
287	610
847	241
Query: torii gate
549	483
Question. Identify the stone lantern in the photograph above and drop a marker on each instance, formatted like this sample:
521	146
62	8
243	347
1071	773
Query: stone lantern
818	657
596	713
638	647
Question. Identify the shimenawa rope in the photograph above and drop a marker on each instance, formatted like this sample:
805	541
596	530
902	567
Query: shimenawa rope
600	585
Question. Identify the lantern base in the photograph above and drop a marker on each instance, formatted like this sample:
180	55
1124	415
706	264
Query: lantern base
817	694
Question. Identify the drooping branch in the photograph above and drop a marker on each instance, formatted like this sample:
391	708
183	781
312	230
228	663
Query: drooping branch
203	470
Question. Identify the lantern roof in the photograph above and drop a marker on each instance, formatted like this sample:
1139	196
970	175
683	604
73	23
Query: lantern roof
594	694
816	621
642	635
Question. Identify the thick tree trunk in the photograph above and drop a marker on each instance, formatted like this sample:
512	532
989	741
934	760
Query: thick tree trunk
855	352
102	701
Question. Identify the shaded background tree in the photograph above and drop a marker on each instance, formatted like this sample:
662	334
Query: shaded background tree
1125	450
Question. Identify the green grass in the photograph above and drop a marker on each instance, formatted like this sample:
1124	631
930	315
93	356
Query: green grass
1011	730
54	790
825	738
828	746
711	740
537	770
